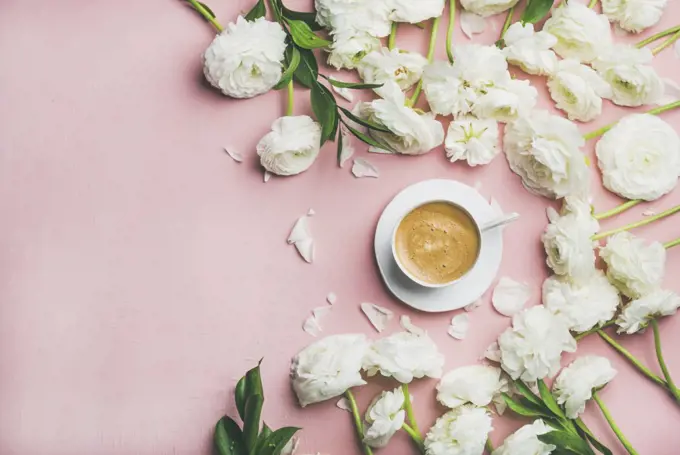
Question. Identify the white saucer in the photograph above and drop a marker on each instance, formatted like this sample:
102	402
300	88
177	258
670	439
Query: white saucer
471	286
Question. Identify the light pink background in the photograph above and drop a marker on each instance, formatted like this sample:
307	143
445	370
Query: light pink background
142	271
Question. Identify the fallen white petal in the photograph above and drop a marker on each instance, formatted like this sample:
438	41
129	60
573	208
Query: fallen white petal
649	212
321	312
509	296
343	91
311	326
406	324
362	168
311	212
300	231
476	304
331	298
378	150
671	92
267	176
493	352
459	326
471	23
378	316
343	404
291	447
306	249
234	154
347	147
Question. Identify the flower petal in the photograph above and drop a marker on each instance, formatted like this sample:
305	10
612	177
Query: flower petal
234	154
406	324
476	304
343	404
311	326
300	231
459	326
331	298
347	147
471	23
493	352
378	316
509	296
362	168
267	176
306	249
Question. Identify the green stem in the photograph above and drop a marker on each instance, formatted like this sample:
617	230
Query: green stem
450	29
289	108
430	58
631	358
204	12
582	335
489	446
671	244
357	420
666	43
408	406
656	111
417	439
507	23
393	36
616	210
612	424
658	36
592	4
583	427
662	363
637	224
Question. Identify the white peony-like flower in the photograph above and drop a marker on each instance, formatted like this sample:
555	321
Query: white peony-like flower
638	313
328	367
245	59
462	431
581	33
353	16
476	384
627	70
634	15
507	101
472	140
412	133
291	146
583	305
525	441
531	51
350	47
574	386
543	149
446	92
487	8
384	417
414	12
481	66
531	349
578	90
640	157
404	356
383	66
634	266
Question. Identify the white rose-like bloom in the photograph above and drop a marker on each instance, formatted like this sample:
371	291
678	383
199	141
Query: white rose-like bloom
634	15
578	90
462	431
356	15
403	67
627	70
404	356
350	47
581	33
640	157
245	59
531	51
446	92
574	386
634	266
472	140
531	349
637	314
328	367
476	384
543	149
525	441
583	305
487	8
291	146
414	12
481	66
384	417
507	101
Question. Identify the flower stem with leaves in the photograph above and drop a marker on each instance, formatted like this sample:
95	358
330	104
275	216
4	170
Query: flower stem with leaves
658	36
666	43
207	13
392	40
612	424
671	244
450	29
507	23
357	421
616	210
430	58
662	363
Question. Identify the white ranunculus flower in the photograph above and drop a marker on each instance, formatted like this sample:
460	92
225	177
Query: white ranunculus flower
291	146
574	386
462	431
525	441
640	157
404	356
472	140
634	266
350	47
414	12
582	305
413	133
578	90
487	8
531	349
382	66
627	70
476	384
481	66
354	15
543	149
446	92
634	15
637	314
245	59
384	417
507	101
328	367
531	51
581	33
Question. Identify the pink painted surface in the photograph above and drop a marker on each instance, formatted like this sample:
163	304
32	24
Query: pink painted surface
142	271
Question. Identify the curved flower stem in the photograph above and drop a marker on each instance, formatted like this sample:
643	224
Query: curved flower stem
409	409
656	111
289	108
671	244
204	12
644	222
507	23
417	439
666	43
631	358
357	421
582	335
489	446
662	363
612	424
449	30
616	210
393	36
430	57
592	4
658	36
580	424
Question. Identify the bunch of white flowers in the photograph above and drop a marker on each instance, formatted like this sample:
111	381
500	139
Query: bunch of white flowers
530	50
639	312
634	15
578	90
581	33
462	431
384	417
574	385
392	66
475	384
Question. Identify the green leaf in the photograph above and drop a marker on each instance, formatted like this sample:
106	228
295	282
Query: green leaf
363	122
292	63
367	139
536	10
338	140
304	37
308	71
568	442
207	8
523	407
307	18
351	85
251	424
549	400
258	11
228	438
591	437
240	396
262	438
278	440
325	109
248	385
528	393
